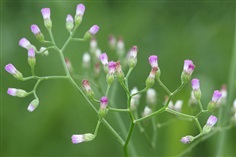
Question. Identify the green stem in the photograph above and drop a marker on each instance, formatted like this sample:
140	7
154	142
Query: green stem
108	88
118	110
51	36
97	126
128	139
163	86
140	92
127	78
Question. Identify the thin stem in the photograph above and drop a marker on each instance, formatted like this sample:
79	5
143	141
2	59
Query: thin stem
128	139
77	39
124	87
163	86
51	36
140	92
118	110
97	126
200	105
108	88
127	78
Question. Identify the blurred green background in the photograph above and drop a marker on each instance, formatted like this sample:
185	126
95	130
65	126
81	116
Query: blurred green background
175	31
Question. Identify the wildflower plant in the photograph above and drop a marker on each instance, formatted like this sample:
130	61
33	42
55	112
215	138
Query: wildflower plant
115	71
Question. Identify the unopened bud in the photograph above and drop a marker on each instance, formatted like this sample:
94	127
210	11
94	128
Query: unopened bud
103	107
17	92
31	57
187	71
146	111
132	60
209	125
43	51
151	78
33	105
88	90
196	88
12	70
91	32
69	23
119	72
78	138
187	139
36	31
80	9
111	72
212	104
46	16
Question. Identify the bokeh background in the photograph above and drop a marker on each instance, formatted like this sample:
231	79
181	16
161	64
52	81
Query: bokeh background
202	31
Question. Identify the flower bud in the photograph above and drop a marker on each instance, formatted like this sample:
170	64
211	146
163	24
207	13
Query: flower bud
146	111
223	98
36	31
119	72
91	32
112	42
26	44
132	60
134	102
17	92
31	57
120	47
88	90
33	105
187	139
104	60
209	125
212	104
103	106
178	105
69	23
111	72
196	88
82	138
151	78
86	60
12	70
80	9
43	51
46	16
151	96
187	71
153	60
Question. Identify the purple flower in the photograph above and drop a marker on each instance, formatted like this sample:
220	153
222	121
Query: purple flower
77	139
12	91
33	105
103	102
211	121
80	10
195	84
216	96
188	67
11	69
35	29
69	18
46	13
133	52
104	59
187	139
112	67
94	29
153	60
86	85
31	53
24	43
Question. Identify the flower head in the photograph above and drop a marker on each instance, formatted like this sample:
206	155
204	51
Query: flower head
103	102
86	85
211	121
69	18
216	96
12	91
187	139
153	60
112	67
146	111
35	29
33	105
11	69
77	139
133	52
31	53
24	43
188	67
46	13
104	59
195	84
151	96
80	10
94	29
178	105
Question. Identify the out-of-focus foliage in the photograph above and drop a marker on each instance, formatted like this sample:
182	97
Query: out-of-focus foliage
175	31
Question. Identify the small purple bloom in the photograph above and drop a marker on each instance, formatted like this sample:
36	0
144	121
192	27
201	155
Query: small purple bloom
94	29
77	139
153	60
133	52
86	85
35	29
188	66
216	96
103	102
211	121
80	10
195	84
69	18
112	67
24	43
11	69
186	139
104	59
31	53
12	91
46	13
